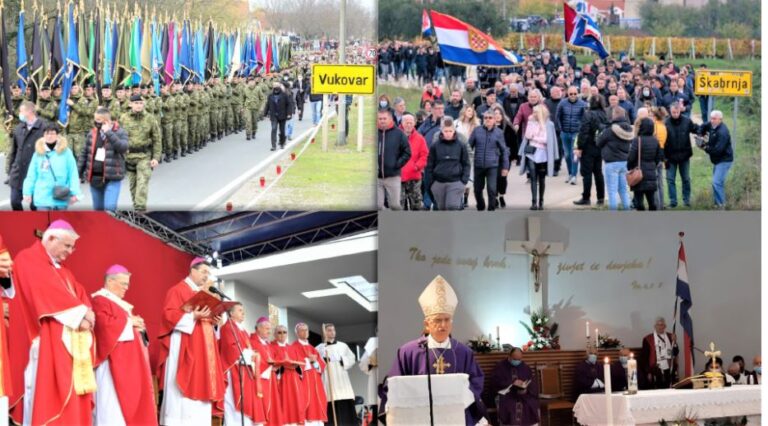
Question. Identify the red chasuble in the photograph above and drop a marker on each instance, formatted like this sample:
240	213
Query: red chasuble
200	371
270	388
313	385
230	354
292	397
5	364
128	362
44	291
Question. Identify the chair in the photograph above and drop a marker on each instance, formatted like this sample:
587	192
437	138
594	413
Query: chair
551	396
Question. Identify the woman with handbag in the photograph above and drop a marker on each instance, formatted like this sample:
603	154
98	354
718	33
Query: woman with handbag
644	157
52	179
539	150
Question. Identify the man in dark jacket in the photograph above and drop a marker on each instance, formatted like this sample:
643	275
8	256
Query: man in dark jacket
455	105
393	153
568	116
447	167
588	152
25	135
720	153
279	109
102	160
488	143
431	125
678	152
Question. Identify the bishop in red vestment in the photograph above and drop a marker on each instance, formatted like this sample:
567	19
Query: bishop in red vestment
57	314
273	409
189	367
125	394
312	382
243	384
292	397
6	292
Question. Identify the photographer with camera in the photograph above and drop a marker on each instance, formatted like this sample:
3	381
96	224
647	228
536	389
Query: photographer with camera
718	146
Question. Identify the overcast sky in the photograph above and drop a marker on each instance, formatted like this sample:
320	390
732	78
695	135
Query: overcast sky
368	4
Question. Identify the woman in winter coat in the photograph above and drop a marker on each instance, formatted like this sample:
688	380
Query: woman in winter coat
650	156
503	123
53	165
614	143
539	162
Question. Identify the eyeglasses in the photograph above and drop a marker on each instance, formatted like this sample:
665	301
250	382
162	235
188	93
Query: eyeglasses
282	332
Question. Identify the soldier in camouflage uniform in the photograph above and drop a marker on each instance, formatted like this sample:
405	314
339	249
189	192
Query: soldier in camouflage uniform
192	119
167	122
109	102
81	110
252	109
213	125
218	106
227	110
180	135
144	150
120	104
205	113
238	99
16	99
46	106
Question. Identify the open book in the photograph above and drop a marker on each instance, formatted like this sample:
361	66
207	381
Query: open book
204	299
523	385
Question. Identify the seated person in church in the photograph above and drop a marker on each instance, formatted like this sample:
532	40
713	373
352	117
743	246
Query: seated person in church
588	375
437	350
757	371
742	365
734	376
619	371
717	367
517	391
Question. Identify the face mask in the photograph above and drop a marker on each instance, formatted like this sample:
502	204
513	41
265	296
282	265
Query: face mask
516	362
97	125
276	91
759	370
22	118
623	360
592	358
646	93
383	104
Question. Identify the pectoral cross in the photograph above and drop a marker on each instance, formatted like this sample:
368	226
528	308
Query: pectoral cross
713	354
440	365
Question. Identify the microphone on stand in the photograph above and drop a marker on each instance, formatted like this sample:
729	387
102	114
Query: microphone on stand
425	345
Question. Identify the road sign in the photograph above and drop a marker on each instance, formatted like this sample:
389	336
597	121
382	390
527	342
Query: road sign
723	83
343	79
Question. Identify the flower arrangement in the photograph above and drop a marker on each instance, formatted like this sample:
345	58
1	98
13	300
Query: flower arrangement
543	336
608	342
480	344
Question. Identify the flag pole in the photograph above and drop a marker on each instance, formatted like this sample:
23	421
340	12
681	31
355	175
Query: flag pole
680	234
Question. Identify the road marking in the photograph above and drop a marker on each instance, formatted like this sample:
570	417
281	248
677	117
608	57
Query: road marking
240	180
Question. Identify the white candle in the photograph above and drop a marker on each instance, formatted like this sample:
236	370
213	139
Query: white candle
498	336
597	339
587	329
632	373
607	381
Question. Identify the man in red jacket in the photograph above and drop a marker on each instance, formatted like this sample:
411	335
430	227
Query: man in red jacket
413	171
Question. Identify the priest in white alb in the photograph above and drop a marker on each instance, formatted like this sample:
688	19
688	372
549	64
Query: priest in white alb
125	394
338	359
436	348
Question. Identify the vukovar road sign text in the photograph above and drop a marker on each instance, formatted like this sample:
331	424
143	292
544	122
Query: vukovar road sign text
723	83
343	79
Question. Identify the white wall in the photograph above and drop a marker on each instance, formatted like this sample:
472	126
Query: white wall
256	304
723	252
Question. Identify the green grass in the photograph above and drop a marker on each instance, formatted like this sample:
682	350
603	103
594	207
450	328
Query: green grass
338	179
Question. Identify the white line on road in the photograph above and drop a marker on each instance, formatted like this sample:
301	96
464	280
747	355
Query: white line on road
217	196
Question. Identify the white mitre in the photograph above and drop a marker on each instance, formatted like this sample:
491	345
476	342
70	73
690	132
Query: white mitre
438	298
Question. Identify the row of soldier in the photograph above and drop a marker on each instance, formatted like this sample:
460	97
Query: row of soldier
181	120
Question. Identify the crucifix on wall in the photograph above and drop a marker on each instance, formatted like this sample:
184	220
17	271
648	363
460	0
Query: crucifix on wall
538	251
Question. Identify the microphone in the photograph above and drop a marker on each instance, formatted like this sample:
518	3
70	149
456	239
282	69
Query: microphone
218	292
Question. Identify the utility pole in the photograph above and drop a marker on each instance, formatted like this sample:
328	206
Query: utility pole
342	131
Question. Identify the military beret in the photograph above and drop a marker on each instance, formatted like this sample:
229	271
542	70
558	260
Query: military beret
136	98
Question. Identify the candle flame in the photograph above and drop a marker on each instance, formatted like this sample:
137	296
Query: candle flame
607	360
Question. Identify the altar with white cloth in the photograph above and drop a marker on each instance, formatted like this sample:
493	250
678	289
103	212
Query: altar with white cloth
649	407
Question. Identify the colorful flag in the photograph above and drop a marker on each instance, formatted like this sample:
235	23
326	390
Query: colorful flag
57	53
268	60
9	112
156	56
426	24
580	29
146	54
210	56
41	56
22	69
122	68
461	43
184	54
70	68
135	51
683	295
84	69
170	65
109	57
236	59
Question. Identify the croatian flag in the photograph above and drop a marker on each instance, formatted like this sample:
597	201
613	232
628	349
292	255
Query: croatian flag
683	292
426	25
580	29
463	44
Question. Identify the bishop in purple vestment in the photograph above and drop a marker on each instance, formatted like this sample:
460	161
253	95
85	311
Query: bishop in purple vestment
519	403
438	351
